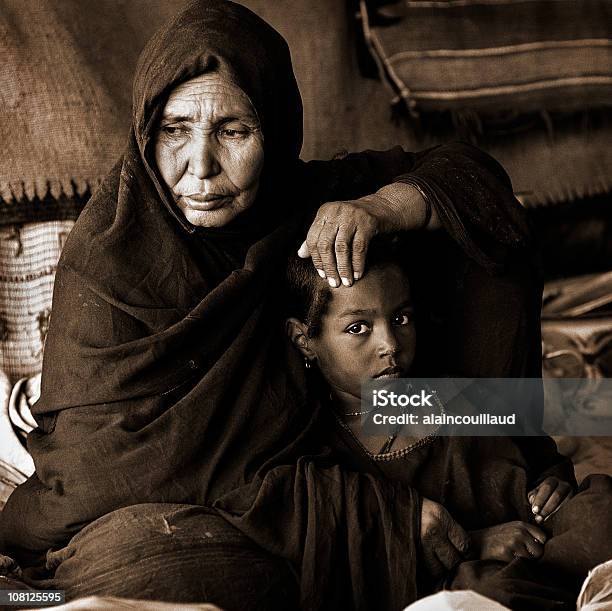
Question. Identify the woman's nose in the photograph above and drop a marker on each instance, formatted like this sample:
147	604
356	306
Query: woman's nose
203	159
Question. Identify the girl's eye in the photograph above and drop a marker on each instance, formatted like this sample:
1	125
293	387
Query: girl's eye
402	319
358	328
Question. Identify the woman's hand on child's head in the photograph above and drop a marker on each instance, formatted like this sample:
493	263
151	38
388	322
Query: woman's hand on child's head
443	541
508	541
547	497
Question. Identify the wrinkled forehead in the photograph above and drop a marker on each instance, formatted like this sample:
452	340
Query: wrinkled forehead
223	38
209	98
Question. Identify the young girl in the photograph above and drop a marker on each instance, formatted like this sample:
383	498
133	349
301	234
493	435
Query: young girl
350	334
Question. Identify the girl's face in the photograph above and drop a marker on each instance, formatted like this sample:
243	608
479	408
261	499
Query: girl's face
367	332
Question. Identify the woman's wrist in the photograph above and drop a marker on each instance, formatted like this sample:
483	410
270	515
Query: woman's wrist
411	207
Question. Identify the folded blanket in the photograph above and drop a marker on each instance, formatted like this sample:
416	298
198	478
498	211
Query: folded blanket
494	55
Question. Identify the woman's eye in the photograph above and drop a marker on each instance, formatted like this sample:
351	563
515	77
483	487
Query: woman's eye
402	319
234	133
358	328
172	130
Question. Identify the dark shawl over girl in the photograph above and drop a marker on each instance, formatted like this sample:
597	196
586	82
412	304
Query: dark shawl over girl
163	380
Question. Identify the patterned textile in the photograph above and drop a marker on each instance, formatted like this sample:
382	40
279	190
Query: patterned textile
577	327
495	54
577	343
15	462
28	259
596	591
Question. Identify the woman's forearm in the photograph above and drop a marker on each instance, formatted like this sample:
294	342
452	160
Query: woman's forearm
413	209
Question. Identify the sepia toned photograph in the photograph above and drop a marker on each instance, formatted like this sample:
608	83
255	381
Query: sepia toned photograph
306	305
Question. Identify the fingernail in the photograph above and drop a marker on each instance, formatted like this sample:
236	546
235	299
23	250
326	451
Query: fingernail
321	273
535	509
346	282
356	275
332	282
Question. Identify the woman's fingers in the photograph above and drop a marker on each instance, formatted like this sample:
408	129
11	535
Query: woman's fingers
309	247
533	540
326	248
358	252
458	537
338	240
527	541
447	554
535	533
433	564
441	535
531	548
343	251
454	549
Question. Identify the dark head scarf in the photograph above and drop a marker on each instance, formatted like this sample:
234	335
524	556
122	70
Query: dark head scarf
225	38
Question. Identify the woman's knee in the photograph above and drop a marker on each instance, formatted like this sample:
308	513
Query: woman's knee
174	553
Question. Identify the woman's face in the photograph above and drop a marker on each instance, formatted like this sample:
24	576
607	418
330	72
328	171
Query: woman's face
209	150
367	331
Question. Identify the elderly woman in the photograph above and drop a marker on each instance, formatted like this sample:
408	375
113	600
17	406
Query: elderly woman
177	454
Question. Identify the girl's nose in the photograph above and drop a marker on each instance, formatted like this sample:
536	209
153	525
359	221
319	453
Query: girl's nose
387	342
203	159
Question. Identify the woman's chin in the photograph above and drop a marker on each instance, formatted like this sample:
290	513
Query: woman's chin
218	217
215	217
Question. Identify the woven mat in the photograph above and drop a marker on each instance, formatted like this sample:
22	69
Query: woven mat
28	260
65	90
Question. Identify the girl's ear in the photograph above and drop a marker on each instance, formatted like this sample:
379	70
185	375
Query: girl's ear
297	332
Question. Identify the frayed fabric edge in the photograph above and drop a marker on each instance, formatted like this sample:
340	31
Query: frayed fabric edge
14	191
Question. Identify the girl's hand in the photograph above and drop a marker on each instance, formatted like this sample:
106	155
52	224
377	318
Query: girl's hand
338	238
547	497
508	541
443	540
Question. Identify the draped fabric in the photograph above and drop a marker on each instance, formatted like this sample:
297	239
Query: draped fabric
166	375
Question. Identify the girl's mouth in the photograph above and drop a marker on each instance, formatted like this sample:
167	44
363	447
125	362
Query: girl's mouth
389	372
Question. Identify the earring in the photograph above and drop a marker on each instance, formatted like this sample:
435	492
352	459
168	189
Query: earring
307	362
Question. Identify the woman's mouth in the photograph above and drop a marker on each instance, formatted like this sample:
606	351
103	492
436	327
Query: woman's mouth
208	201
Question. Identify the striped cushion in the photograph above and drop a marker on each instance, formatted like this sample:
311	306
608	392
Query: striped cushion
489	55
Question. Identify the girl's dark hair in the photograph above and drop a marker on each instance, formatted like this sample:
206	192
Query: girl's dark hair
307	296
